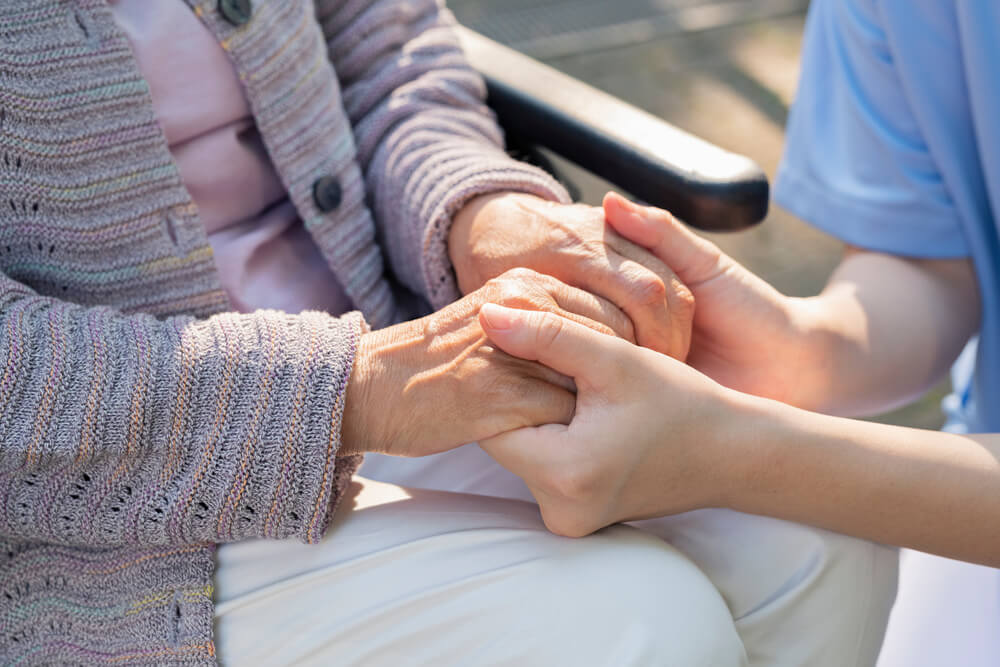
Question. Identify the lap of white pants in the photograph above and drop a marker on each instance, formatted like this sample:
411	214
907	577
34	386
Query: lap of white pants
947	613
417	577
798	595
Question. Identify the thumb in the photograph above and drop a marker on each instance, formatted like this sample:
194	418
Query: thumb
695	260
563	345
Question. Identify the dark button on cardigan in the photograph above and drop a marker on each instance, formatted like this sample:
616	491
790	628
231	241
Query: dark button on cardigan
237	12
327	193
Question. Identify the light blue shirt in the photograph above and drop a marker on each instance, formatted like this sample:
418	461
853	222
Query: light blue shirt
894	145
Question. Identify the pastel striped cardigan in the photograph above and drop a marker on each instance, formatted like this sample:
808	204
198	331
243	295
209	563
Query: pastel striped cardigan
140	423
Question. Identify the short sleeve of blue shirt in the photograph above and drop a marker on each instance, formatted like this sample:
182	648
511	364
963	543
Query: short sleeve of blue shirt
893	144
857	162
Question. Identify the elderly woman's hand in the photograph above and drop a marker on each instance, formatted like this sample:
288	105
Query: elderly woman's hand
430	385
494	233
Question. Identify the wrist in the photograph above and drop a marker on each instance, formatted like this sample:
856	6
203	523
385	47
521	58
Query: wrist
379	364
460	239
474	221
354	437
750	442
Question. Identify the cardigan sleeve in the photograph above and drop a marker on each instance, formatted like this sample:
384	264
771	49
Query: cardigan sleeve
426	139
129	430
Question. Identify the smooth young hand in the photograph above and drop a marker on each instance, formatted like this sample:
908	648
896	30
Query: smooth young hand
883	330
646	439
495	233
746	335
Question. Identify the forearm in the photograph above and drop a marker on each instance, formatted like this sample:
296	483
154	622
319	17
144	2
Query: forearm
883	331
931	491
123	429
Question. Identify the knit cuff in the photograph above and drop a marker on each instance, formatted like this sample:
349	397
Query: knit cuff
488	174
275	472
336	470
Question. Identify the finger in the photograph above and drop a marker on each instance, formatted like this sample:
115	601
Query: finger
662	306
589	357
536	371
643	296
591	310
532	290
511	399
678	295
539	403
694	259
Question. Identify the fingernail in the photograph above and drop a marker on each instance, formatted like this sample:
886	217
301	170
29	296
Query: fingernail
497	317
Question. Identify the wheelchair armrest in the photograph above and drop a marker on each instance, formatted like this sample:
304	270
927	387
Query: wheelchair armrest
700	183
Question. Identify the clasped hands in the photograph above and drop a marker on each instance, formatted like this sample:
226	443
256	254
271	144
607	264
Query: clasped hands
577	319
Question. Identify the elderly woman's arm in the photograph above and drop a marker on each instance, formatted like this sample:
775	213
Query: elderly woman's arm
123	429
452	209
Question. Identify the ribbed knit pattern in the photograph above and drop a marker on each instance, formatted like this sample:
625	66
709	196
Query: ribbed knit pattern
140	423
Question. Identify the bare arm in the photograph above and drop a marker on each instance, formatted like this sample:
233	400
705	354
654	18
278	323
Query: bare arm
931	491
653	437
885	329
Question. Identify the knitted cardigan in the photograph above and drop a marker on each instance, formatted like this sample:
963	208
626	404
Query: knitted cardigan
140	422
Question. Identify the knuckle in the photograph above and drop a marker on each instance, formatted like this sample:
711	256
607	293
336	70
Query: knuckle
593	248
683	299
522	300
517	288
520	273
648	289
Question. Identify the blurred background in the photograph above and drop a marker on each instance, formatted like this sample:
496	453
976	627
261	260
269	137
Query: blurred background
725	70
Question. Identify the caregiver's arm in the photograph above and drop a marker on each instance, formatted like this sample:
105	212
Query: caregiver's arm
883	331
653	437
927	490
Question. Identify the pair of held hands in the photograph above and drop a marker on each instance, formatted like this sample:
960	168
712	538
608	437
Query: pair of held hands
552	345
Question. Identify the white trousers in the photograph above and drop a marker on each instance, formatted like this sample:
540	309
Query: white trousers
412	578
442	579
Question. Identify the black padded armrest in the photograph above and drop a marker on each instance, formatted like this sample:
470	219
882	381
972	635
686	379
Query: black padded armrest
647	157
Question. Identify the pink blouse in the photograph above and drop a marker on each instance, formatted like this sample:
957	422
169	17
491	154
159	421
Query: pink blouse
265	256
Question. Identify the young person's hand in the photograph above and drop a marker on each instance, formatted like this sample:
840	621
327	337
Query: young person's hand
494	233
746	335
882	332
653	437
436	383
648	437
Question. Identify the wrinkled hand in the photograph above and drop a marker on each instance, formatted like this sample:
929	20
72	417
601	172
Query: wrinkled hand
436	383
647	438
746	334
495	233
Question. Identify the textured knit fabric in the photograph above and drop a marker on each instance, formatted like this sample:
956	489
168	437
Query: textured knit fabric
139	422
265	256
